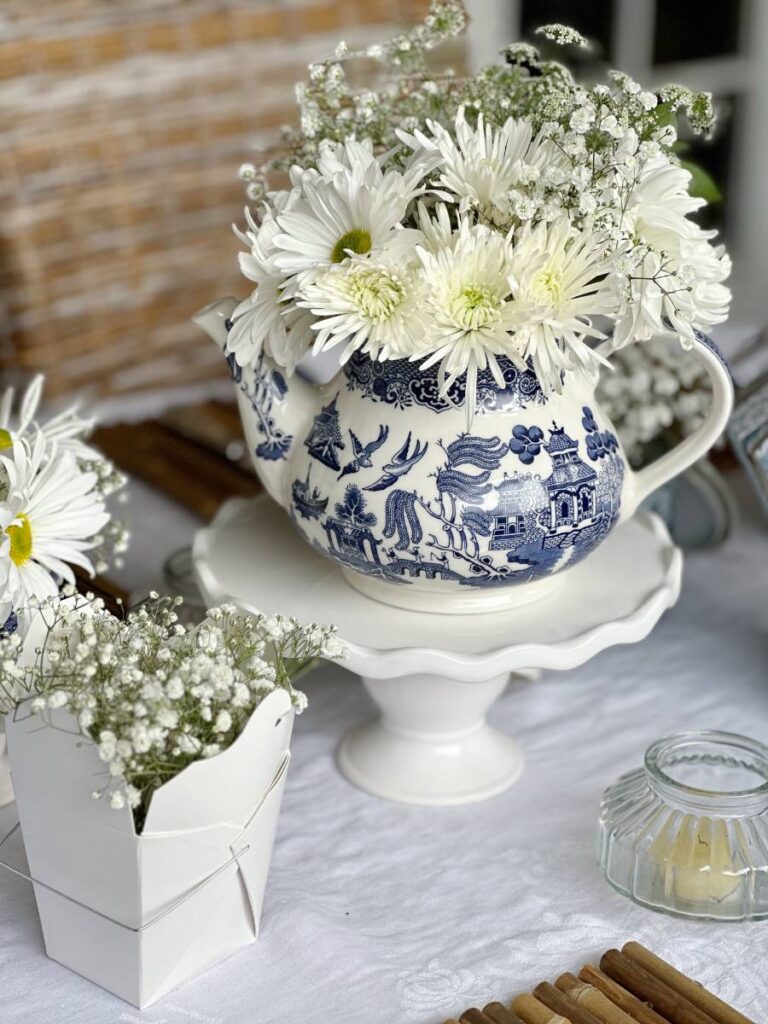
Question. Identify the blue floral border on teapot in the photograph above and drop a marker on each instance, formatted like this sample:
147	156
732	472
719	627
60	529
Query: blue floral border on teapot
403	383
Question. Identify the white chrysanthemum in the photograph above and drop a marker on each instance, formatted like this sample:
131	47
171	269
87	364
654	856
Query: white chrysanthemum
356	210
371	304
435	226
658	204
672	295
481	166
565	275
469	308
675	275
50	517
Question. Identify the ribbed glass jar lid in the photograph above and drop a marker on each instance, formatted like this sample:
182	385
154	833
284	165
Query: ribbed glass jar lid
687	833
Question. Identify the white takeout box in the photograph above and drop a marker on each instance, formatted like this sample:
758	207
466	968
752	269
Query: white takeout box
138	914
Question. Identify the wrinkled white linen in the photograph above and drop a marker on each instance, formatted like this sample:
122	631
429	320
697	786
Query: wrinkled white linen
381	913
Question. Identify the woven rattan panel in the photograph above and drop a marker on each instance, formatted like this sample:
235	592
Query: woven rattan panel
123	125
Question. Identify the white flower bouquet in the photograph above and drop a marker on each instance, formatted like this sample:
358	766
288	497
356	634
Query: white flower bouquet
455	221
148	763
53	510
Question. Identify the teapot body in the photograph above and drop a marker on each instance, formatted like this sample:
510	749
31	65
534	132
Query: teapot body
381	472
422	511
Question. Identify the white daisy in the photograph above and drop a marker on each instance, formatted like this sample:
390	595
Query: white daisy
565	275
481	166
66	430
347	156
357	163
376	305
50	518
470	307
6	604
267	320
341	216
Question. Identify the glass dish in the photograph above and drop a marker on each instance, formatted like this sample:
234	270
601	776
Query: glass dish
688	832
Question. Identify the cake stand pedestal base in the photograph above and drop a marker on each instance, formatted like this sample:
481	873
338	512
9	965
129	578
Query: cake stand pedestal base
434	677
431	743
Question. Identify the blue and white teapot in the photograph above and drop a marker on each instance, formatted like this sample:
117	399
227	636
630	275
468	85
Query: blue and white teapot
381	474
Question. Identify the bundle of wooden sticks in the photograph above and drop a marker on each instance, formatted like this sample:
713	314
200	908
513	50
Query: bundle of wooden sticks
633	986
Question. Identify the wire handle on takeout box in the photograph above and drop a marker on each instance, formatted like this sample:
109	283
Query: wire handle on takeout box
180	900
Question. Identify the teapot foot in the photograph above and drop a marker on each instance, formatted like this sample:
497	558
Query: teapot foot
436	599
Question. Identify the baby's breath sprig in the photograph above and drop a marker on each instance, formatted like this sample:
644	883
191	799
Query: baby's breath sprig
563	35
153	696
403	92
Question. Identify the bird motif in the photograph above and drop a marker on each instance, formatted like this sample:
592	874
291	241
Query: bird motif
363	452
401	463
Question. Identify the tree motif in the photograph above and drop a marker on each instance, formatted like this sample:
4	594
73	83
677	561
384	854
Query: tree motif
526	443
353	509
599	443
457	510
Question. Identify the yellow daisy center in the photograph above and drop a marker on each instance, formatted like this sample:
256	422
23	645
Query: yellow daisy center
20	536
475	306
376	293
547	286
6	441
357	240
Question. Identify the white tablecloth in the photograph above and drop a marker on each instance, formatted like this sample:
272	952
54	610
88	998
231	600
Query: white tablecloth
379	913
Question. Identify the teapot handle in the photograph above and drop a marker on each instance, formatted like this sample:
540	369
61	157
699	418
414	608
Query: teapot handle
644	482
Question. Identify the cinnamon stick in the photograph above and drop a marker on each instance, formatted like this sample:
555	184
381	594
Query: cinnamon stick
563	1004
531	1011
630	1004
593	1000
474	1016
499	1014
685	986
670	1004
566	982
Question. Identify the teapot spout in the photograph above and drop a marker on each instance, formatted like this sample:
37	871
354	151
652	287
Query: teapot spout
275	411
213	319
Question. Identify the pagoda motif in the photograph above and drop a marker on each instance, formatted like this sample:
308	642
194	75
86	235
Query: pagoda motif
521	501
571	486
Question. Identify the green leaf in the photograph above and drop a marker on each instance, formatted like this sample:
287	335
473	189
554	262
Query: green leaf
702	184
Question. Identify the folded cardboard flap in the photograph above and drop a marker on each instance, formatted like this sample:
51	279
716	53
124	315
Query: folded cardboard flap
197	873
226	788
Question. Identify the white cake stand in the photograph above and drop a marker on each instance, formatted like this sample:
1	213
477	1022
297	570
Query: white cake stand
434	677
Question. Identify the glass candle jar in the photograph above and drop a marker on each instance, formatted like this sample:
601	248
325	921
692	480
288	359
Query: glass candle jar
688	832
